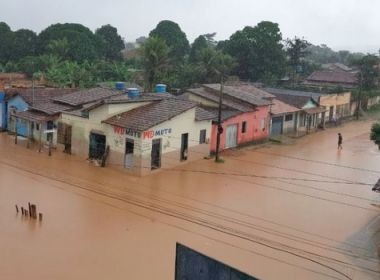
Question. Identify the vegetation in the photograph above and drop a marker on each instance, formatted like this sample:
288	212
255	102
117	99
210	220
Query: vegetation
71	55
375	134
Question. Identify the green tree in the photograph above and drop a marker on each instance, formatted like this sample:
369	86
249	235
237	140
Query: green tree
82	43
258	51
199	44
296	50
155	60
369	73
110	42
59	48
214	64
6	38
23	44
174	38
375	134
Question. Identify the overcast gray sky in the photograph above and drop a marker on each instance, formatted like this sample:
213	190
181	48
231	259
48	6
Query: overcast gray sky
341	24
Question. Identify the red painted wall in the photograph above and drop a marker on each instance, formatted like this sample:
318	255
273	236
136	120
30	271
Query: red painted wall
253	131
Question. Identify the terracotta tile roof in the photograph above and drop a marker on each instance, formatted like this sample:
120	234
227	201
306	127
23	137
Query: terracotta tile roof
278	107
147	116
337	77
38	95
226	113
85	96
227	101
50	107
296	101
34	116
244	92
202	114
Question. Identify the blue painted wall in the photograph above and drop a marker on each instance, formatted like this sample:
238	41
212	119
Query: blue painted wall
3	111
20	105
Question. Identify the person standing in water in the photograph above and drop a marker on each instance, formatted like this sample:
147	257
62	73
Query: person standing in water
340	141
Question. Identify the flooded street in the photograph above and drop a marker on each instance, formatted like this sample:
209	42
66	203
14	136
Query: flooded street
299	211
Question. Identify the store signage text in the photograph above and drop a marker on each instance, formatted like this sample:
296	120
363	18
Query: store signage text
159	132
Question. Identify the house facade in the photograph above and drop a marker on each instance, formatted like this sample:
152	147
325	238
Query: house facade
311	115
245	114
283	118
139	134
336	104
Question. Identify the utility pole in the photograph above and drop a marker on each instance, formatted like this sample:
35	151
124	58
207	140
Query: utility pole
359	95
220	128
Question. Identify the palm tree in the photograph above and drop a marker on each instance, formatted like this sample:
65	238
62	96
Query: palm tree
155	55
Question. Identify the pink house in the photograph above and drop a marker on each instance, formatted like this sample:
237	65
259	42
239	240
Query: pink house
245	113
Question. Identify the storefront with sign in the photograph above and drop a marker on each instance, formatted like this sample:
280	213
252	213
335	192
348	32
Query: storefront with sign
157	136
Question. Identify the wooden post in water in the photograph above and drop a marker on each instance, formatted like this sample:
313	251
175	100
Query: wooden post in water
16	208
34	209
30	209
40	216
22	210
26	213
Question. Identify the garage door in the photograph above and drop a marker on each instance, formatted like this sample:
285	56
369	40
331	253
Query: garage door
231	136
277	123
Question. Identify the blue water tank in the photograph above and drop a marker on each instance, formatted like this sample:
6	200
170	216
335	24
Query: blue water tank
133	92
161	88
120	85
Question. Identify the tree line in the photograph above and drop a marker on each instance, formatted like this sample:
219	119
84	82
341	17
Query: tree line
72	55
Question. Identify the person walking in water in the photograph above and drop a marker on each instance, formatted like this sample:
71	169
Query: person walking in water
340	141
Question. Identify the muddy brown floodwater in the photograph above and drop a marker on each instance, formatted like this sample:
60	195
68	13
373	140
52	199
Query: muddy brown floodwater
298	211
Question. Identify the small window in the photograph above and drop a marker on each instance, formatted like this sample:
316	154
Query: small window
289	117
243	127
202	136
37	126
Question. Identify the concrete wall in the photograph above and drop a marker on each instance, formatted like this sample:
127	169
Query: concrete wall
253	132
340	102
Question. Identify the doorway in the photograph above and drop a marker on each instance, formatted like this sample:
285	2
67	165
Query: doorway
184	146
97	146
331	113
156	154
231	136
129	147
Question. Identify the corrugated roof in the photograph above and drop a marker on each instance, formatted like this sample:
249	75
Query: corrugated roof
244	92
229	102
293	100
148	116
85	96
314	95
338	77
